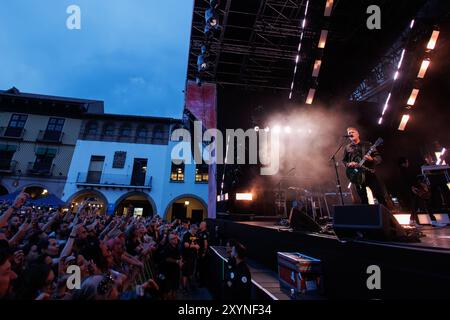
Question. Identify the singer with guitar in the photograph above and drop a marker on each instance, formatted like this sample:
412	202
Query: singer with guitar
361	157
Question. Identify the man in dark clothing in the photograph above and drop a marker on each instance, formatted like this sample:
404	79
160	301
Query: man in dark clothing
353	154
190	248
170	268
203	236
238	280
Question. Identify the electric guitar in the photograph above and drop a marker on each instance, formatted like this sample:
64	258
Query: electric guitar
357	175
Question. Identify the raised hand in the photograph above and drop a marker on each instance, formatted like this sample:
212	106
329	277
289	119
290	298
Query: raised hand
20	200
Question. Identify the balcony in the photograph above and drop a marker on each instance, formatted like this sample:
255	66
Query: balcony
12	133
39	169
99	180
7	166
50	136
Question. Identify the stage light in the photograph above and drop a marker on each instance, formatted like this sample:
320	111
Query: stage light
244	196
439	155
287	130
266	129
323	39
226	196
316	69
380	121
256	128
412	24
403	219
186	203
404	122
306	9
401	59
44	192
202	60
328	8
218	198
211	18
290	95
413	97
310	98
423	68
396	75
277	129
386	104
433	40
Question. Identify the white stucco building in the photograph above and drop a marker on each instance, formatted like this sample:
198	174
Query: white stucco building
126	160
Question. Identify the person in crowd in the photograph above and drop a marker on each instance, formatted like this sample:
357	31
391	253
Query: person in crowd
237	276
190	249
171	264
203	253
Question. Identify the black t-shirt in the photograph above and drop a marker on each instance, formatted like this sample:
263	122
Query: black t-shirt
203	236
238	281
189	253
170	252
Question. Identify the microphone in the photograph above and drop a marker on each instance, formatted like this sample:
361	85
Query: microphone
348	136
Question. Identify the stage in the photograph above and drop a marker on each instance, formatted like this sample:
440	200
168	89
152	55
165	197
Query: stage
408	270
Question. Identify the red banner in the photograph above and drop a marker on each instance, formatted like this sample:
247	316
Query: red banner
201	101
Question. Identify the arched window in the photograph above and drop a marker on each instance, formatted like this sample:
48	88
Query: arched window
108	130
91	128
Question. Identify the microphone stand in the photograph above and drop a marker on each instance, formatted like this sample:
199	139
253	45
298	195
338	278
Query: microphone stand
336	164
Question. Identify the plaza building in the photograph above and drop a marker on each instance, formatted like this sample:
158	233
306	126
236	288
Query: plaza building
38	135
124	163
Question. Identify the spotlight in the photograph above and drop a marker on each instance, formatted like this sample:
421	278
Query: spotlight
202	60
244	196
316	69
328	8
211	18
413	97
266	129
256	128
44	192
277	129
434	38
323	39
404	122
423	68
186	203
310	98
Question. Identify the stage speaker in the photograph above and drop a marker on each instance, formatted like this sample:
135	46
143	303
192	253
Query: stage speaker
300	221
369	222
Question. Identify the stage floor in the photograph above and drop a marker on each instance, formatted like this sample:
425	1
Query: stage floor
435	238
409	269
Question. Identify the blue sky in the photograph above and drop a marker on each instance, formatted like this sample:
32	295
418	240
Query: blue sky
130	53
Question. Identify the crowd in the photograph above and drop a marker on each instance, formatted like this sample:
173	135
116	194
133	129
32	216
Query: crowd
44	250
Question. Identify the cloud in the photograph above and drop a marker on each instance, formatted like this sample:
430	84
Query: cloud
132	54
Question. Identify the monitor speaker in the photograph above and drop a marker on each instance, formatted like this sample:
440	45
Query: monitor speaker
369	222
